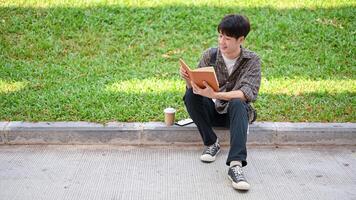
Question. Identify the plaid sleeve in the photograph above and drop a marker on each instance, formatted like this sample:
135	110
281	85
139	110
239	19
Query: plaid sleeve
251	80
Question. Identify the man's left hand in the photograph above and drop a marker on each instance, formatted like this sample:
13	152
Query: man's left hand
206	92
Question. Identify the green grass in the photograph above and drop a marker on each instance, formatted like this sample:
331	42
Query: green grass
118	60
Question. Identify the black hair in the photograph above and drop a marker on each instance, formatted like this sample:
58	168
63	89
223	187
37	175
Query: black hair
234	26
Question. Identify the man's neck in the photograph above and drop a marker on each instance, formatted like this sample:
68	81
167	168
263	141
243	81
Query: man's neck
234	54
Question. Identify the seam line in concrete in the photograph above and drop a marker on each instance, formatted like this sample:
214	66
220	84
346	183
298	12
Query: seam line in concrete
5	132
275	134
140	134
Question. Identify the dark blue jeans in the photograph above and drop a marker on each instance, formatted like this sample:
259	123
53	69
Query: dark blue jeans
202	111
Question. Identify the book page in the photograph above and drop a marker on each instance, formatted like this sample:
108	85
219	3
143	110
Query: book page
198	76
205	69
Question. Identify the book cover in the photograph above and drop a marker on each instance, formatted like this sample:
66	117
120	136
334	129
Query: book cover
199	75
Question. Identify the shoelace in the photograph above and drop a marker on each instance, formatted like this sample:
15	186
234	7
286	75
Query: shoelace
210	149
238	172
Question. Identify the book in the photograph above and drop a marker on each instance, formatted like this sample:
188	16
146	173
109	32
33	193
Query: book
199	75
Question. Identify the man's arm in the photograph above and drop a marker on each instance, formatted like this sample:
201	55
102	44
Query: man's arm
227	96
210	93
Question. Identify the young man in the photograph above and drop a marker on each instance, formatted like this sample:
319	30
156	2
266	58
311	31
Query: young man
238	71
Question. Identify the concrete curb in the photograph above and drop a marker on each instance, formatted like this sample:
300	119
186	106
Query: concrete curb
156	133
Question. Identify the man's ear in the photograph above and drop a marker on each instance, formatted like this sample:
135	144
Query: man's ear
241	39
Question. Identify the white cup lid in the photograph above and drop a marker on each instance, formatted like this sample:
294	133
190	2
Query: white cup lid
169	110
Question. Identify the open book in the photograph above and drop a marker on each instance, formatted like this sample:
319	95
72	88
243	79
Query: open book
199	75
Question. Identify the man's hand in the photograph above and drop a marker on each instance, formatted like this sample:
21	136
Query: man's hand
207	91
184	75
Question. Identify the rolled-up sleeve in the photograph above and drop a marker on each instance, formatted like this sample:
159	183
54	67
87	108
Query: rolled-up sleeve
251	80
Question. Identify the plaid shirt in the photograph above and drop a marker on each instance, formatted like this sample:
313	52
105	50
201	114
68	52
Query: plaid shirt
245	76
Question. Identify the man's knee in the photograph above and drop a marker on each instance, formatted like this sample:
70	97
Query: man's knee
189	96
236	104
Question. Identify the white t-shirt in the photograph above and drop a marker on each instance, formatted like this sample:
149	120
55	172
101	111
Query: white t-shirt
229	63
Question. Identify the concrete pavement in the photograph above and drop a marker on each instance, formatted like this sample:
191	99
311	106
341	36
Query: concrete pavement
152	161
132	172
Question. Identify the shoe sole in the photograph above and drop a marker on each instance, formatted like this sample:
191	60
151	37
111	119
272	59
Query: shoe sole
212	159
242	185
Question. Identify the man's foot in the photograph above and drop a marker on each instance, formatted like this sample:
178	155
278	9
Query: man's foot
238	179
210	152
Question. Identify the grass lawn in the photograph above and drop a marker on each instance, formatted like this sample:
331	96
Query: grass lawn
118	60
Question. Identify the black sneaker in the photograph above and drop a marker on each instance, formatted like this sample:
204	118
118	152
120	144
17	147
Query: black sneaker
210	152
238	179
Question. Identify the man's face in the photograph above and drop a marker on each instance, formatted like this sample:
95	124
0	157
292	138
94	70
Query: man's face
228	45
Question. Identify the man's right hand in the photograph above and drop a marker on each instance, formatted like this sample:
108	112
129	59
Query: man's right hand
184	75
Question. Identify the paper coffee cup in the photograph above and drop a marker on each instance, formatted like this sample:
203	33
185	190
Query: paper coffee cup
169	116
